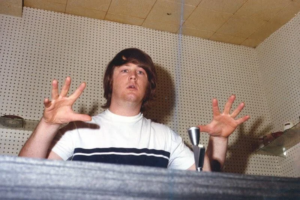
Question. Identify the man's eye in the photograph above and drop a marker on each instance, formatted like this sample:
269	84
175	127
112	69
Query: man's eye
141	72
124	70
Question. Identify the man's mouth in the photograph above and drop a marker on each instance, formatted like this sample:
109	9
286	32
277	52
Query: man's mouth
132	87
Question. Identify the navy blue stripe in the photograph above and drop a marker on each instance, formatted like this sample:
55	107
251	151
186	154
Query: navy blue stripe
122	150
150	161
140	160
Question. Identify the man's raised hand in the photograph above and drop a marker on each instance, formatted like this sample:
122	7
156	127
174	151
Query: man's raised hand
59	109
224	124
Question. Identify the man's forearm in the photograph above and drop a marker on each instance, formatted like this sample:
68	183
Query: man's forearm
40	140
215	154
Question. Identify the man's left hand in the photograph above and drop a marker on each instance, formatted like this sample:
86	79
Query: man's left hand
224	124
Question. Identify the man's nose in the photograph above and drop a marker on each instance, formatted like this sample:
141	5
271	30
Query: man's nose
132	75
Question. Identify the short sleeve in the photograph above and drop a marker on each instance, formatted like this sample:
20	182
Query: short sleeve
181	157
64	147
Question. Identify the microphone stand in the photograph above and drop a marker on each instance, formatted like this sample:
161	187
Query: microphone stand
198	149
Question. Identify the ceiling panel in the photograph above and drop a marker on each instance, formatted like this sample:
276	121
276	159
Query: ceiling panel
85	12
11	7
52	5
227	38
206	19
265	31
240	26
287	12
125	19
90	4
196	32
251	43
166	15
261	9
245	22
169	12
162	26
227	6
134	8
188	2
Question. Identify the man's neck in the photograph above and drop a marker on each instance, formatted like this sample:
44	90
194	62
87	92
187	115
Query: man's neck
127	109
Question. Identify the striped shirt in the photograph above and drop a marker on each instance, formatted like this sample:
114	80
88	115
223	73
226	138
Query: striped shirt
111	138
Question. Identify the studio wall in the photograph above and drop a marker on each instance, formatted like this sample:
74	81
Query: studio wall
44	45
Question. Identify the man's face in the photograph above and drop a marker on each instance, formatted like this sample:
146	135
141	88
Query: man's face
129	83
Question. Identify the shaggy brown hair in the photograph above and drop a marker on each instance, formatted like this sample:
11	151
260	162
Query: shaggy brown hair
135	56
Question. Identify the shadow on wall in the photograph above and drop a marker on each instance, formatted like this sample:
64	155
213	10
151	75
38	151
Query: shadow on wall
160	109
244	146
92	111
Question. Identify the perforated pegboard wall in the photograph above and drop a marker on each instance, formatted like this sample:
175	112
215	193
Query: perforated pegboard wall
11	141
290	165
44	45
279	58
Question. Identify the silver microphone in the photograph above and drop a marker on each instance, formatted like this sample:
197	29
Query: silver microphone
194	133
199	150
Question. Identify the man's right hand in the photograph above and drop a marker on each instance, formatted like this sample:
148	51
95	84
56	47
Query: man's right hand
59	109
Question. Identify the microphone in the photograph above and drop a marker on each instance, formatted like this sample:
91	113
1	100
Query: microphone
194	133
199	150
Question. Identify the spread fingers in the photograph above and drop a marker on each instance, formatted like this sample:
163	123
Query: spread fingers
66	87
238	110
78	91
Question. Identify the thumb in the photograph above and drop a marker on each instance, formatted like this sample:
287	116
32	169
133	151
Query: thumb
47	103
204	128
81	117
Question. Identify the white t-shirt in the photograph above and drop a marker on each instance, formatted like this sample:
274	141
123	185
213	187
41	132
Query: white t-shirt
111	138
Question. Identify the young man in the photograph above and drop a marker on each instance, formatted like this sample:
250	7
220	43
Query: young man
121	134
